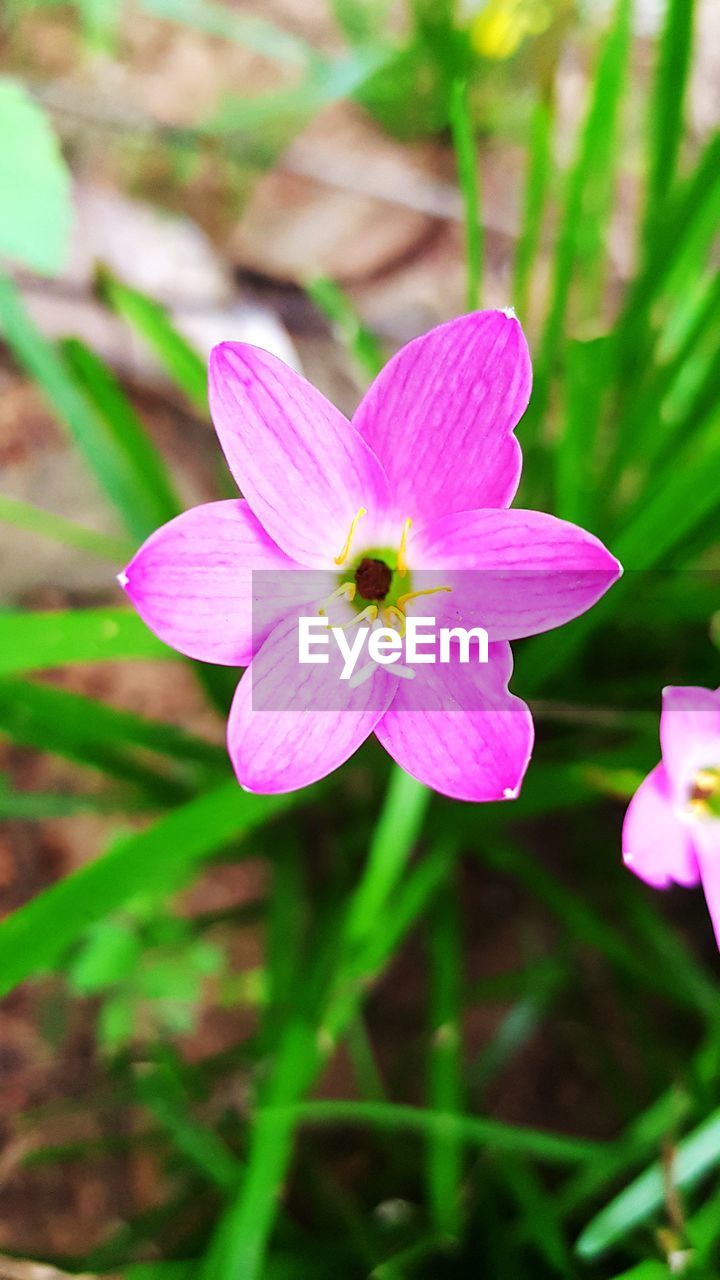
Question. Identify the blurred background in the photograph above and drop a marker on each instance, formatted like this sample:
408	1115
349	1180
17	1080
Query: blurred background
362	1030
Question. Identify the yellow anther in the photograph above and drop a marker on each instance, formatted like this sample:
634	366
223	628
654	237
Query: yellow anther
394	617
402	549
704	798
348	541
347	590
370	613
413	595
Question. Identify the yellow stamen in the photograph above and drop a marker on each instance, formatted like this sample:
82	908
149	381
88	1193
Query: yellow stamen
402	549
347	590
394	617
348	541
413	595
371	613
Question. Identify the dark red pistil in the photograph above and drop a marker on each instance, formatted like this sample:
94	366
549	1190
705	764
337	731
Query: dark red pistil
372	579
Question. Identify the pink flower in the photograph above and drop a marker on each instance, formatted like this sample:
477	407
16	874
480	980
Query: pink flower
671	833
353	514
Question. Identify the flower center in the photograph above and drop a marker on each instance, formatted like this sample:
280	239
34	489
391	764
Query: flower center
704	794
373	578
380	575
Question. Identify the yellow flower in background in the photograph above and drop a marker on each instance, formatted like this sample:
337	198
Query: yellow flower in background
500	27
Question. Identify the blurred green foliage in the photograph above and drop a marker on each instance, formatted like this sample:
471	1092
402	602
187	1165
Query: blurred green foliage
623	435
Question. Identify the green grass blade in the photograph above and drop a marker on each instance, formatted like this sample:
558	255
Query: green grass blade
153	324
359	341
38	806
667	103
218	20
39	640
153	485
102	452
159	757
398	827
23	515
161	1092
540	168
575	455
678	248
588	177
695	1156
681	500
239	1245
35	938
444	1155
463	134
474	1130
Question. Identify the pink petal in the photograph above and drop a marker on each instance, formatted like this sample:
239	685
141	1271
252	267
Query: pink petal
689	734
290	724
441	414
302	467
706	838
457	729
514	572
656	843
196	583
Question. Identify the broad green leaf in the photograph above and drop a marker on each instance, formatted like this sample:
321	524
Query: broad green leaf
36	938
35	211
695	1156
37	641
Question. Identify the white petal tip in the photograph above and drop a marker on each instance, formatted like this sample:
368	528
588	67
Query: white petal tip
511	793
122	579
248	790
510	312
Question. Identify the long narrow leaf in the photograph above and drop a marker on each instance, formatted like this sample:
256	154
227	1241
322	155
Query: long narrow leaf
696	1155
35	939
667	104
152	480
588	171
39	640
103	452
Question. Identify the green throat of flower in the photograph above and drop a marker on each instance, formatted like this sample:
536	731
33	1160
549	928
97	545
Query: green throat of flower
704	795
377	582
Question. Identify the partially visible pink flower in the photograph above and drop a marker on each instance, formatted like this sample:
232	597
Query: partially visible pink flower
420	480
671	833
